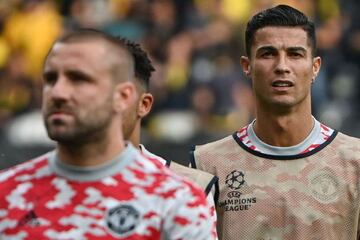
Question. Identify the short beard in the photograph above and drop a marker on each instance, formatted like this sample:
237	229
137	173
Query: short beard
81	134
83	131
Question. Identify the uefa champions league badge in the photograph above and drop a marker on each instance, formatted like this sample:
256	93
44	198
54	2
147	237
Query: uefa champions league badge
234	200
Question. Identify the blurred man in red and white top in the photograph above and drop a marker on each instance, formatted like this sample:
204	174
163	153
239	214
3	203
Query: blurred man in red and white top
93	185
132	127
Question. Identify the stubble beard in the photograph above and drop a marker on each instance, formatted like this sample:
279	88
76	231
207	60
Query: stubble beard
91	127
79	133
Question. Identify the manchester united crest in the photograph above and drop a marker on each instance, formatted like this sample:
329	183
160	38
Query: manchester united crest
122	219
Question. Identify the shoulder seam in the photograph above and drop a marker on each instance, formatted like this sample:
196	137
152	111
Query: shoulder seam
212	182
192	157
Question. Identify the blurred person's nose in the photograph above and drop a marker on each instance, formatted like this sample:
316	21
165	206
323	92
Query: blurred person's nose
61	89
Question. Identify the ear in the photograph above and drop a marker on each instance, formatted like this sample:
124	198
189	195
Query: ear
245	64
316	67
124	96
145	104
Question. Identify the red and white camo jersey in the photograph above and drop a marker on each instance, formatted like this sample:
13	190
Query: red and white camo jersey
131	197
292	193
205	180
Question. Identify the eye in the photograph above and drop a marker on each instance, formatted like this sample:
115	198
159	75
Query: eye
295	54
268	54
78	77
50	78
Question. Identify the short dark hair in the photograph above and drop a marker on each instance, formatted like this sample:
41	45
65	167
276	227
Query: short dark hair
143	67
281	15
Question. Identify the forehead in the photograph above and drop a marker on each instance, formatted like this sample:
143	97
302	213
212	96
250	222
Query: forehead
93	55
281	37
76	54
78	49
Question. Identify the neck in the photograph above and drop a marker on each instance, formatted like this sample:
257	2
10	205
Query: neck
283	130
135	135
92	153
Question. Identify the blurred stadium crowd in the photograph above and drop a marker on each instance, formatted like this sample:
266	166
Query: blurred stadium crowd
195	45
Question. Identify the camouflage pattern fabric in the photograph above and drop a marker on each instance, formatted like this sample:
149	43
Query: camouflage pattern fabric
312	196
133	198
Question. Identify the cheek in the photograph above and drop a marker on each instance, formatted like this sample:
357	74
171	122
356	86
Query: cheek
128	121
45	97
93	104
93	97
306	74
259	77
130	113
262	69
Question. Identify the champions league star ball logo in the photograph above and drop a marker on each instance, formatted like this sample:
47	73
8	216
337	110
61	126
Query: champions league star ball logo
235	179
234	200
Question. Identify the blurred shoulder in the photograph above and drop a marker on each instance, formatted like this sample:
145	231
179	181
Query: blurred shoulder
204	179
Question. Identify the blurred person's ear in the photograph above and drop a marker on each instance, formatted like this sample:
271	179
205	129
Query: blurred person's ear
245	64
145	104
124	96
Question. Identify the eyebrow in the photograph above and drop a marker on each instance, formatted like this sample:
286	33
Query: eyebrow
70	72
271	48
266	48
296	49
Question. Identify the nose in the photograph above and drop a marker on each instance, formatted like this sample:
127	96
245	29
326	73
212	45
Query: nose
60	90
282	64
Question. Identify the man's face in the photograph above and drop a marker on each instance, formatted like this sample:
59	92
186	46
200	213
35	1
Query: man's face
131	117
77	91
281	66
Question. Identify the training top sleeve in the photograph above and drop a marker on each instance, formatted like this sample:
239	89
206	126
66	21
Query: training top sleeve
190	217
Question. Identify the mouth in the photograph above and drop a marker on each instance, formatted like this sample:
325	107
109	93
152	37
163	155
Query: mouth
58	115
282	83
58	112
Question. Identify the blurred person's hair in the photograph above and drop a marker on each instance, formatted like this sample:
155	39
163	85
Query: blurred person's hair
279	16
143	67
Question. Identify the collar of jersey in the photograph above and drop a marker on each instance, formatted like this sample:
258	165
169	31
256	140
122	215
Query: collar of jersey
96	173
146	153
290	152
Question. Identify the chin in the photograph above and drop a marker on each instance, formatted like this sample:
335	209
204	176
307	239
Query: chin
283	101
59	137
59	134
284	104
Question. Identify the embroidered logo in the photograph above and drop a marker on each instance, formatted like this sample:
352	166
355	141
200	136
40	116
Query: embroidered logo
235	179
324	187
122	219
